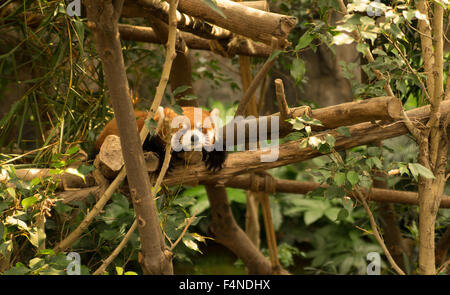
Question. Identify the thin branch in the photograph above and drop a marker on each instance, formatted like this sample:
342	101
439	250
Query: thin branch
242	107
405	60
73	236
116	251
426	44
376	233
188	223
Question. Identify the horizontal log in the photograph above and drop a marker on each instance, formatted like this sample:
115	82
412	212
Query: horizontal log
303	187
146	34
386	108
242	20
67	180
160	9
288	153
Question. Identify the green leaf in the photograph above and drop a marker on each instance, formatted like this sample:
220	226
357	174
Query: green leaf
28	202
151	126
181	89
304	41
332	213
378	51
34	181
191	244
75	172
46	252
339	178
18	269
330	140
342	215
213	5
417	169
362	47
119	270
352	177
298	69
344	131
334	191
189	97
177	109
377	162
296	124
274	54
365	20
73	150
11	191
312	216
342	38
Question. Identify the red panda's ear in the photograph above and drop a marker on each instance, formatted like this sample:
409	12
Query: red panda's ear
214	113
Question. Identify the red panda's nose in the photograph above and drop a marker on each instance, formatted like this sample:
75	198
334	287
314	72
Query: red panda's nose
194	138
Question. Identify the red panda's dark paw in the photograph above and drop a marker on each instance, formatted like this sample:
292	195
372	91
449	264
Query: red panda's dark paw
214	160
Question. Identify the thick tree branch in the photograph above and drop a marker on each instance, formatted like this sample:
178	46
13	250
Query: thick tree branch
303	187
103	22
145	34
242	20
160	9
288	153
379	108
228	233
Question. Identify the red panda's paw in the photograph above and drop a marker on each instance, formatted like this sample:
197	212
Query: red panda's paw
214	160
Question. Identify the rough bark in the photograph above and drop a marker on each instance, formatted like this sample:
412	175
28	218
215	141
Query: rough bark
228	233
160	9
240	19
303	187
288	153
144	34
103	18
181	71
379	108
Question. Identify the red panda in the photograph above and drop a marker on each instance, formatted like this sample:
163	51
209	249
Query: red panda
195	129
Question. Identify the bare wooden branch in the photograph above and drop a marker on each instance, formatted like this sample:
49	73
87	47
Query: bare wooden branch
242	107
240	19
111	159
303	187
379	108
145	34
288	153
424	27
103	17
160	9
377	234
228	233
117	250
73	236
281	98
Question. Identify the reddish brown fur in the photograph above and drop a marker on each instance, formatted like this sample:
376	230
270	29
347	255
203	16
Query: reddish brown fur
169	114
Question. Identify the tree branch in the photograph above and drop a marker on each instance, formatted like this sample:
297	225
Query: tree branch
242	20
288	153
103	22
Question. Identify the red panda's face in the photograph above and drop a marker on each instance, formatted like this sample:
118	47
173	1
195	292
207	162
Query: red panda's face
193	130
